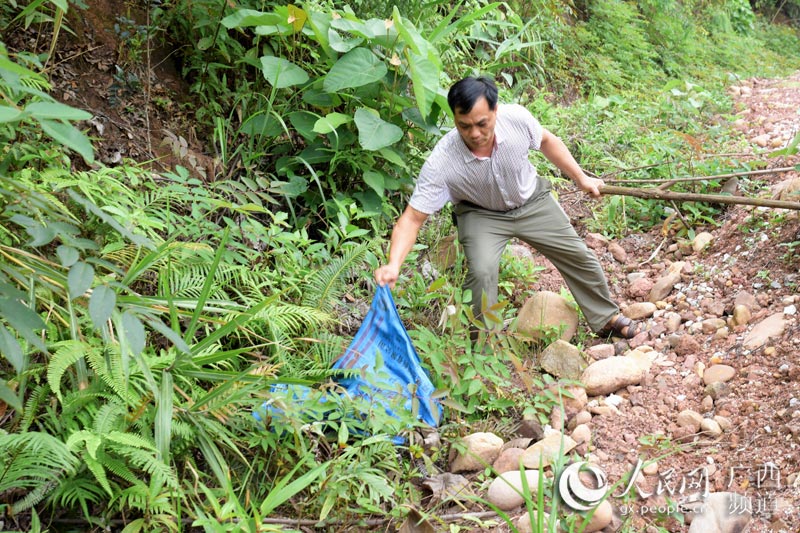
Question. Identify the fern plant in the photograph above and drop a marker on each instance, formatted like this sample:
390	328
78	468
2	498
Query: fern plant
32	465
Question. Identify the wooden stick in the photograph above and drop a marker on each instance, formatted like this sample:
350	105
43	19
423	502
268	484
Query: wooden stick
714	177
372	522
657	194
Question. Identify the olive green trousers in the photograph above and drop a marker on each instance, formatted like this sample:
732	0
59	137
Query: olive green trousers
541	223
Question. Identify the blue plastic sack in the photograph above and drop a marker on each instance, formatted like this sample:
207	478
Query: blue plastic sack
380	366
385	365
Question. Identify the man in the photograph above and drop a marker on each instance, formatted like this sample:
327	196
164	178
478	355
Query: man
482	166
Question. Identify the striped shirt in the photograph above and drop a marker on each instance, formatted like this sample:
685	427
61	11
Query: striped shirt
504	181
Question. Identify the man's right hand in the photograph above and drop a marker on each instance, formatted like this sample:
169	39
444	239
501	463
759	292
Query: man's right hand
387	275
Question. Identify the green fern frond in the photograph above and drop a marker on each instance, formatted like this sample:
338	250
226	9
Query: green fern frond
161	473
133	498
38	397
130	440
120	469
66	355
326	286
287	320
108	418
96	468
107	364
33	497
78	491
34	462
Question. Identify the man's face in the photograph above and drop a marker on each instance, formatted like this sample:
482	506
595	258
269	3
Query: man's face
477	127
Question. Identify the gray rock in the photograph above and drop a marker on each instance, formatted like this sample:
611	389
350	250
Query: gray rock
507	491
547	450
718	389
508	460
610	375
545	312
481	449
600	518
562	360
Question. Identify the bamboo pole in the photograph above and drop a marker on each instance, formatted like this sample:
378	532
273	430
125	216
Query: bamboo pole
659	194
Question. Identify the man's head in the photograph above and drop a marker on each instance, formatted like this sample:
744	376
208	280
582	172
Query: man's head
474	105
465	93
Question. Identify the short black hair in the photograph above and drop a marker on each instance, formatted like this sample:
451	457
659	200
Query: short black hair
464	93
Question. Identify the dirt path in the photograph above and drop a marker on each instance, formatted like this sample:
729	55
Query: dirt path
749	262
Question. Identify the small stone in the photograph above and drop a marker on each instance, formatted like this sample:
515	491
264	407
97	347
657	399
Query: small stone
596	241
689	419
710	427
508	460
701	241
718	389
716	373
723	422
769	328
506	491
711	325
672	322
547	450
707	404
601	351
601	517
761	140
481	449
618	253
545	311
581	434
640	310
687	345
651	468
741	315
562	360
583	417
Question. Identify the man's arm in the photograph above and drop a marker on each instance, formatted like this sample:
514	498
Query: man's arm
404	235
557	153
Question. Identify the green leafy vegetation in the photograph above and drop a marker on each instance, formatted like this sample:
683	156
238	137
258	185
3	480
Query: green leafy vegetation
144	314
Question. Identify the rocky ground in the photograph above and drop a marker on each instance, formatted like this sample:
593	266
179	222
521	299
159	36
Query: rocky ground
711	390
710	393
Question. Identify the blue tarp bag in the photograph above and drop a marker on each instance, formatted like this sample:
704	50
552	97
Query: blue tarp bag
380	366
383	365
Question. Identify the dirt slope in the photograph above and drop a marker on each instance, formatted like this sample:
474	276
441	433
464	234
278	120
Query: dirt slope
748	262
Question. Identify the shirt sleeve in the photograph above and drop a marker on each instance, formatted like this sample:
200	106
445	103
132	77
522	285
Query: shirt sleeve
533	130
430	192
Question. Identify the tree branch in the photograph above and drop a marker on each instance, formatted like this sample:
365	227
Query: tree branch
658	194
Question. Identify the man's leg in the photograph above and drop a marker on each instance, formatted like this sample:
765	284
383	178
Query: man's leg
544	225
483	234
